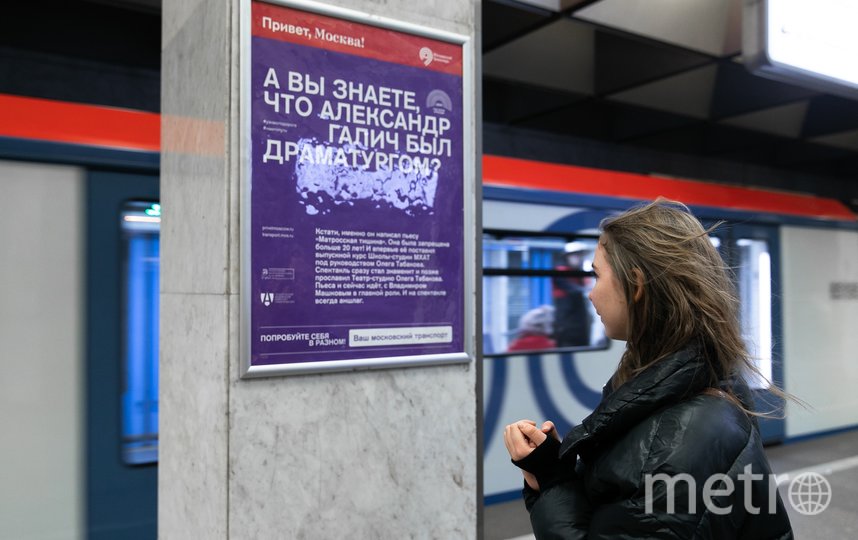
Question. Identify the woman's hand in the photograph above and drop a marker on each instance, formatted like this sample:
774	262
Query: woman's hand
549	429
522	437
531	480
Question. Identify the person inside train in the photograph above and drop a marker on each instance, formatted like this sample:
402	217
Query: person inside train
573	319
534	330
673	449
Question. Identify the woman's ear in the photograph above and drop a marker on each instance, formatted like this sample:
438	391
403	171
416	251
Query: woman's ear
639	284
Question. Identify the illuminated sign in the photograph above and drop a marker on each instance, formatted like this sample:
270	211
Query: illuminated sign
811	44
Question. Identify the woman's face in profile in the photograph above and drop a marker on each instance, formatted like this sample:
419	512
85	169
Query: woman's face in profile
608	298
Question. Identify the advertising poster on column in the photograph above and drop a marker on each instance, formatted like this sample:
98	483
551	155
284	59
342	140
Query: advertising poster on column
356	192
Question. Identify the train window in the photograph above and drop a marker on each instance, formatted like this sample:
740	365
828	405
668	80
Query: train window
755	296
535	291
141	226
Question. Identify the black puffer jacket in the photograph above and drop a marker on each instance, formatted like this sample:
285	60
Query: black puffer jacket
664	421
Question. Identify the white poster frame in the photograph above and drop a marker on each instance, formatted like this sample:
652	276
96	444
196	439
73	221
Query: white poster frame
469	187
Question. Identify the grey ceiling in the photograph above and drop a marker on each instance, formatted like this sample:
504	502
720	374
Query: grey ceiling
655	77
657	74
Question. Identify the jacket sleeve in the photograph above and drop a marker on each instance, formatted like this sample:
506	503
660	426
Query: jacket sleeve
560	508
544	463
563	511
629	518
559	512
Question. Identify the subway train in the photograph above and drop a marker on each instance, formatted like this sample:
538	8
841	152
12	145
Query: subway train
79	316
78	319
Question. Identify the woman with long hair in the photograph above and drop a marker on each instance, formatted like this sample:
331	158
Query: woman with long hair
673	449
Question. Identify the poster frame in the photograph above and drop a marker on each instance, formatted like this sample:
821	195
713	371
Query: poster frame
467	296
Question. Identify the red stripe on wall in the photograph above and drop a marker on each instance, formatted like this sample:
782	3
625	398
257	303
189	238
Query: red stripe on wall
522	173
76	123
93	125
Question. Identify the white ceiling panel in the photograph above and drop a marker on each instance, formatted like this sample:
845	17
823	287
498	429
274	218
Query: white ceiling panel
709	26
688	94
845	139
784	121
558	56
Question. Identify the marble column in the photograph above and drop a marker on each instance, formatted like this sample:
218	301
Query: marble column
387	453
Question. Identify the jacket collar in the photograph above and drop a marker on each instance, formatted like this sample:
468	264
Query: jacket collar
670	380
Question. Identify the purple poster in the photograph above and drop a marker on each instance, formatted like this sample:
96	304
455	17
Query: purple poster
356	191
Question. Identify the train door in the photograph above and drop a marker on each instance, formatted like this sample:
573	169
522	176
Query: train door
121	481
41	331
753	252
545	355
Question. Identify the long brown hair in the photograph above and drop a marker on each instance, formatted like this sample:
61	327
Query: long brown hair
687	293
